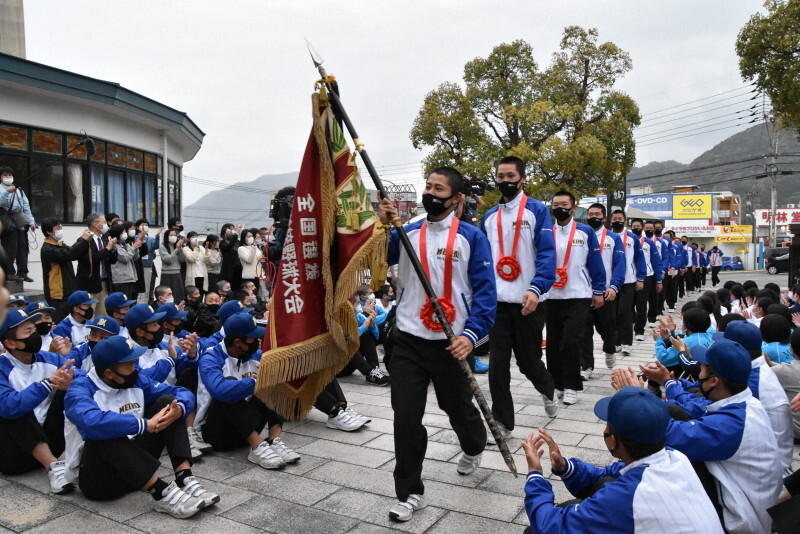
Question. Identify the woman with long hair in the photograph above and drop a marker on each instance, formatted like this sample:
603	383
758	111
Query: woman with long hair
195	256
171	258
249	255
123	271
213	261
228	246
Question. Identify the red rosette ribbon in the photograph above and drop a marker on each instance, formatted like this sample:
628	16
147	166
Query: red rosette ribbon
561	278
508	268
428	316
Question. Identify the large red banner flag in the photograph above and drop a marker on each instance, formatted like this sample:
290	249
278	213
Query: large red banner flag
334	243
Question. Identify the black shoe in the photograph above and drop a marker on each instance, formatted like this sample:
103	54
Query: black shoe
27	279
14	277
378	378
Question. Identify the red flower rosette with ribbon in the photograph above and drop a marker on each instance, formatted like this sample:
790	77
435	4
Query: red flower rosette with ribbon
561	278
508	268
428	315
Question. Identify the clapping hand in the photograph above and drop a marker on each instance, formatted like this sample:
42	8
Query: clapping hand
624	377
678	344
657	372
796	403
533	454
165	417
189	345
557	461
62	378
796	319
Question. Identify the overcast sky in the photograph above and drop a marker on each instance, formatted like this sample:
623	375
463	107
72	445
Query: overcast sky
242	73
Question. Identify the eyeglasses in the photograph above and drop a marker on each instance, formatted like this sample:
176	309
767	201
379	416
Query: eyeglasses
607	435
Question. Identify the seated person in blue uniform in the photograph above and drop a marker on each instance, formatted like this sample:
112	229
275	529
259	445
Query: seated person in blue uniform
44	325
125	421
32	385
117	305
100	327
17	301
652	489
74	325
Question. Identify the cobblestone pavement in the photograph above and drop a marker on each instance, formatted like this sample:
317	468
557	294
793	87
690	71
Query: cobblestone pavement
343	483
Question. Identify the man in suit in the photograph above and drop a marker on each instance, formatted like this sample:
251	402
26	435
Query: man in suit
94	268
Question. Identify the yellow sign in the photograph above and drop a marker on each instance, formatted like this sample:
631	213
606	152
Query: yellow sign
738	229
733	238
691	206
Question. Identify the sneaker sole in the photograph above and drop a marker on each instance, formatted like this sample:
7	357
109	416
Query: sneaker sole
65	489
266	467
334	427
394	517
187	515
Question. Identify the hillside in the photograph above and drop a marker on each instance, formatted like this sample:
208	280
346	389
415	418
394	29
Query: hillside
732	165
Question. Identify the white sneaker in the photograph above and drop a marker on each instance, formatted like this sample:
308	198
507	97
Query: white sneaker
192	487
550	406
503	432
639	337
560	394
287	454
196	453
402	511
468	464
264	456
358	415
196	439
345	420
651	325
626	350
177	503
586	374
570	396
58	483
611	359
618	348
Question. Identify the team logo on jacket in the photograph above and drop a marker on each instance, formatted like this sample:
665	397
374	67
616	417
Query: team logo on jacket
578	241
442	252
129	407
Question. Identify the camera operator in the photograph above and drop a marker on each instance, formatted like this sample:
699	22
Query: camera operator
280	210
473	191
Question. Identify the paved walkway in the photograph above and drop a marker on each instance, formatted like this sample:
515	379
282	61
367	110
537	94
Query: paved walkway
343	483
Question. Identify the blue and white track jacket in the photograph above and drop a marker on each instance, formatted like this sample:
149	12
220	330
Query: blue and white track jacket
535	252
96	411
635	267
474	294
652	259
26	387
586	275
766	387
613	253
77	332
656	494
735	440
157	364
224	378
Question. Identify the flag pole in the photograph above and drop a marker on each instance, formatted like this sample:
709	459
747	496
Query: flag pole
341	114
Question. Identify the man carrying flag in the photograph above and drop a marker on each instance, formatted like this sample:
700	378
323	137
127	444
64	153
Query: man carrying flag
458	261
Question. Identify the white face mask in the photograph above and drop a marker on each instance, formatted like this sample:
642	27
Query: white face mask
104	229
193	241
169	300
144	228
131	233
8	181
173	239
249	240
58	235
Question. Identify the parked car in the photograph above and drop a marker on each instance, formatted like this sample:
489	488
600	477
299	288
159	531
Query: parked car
732	263
777	264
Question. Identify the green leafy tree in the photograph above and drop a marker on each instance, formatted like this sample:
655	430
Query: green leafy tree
567	121
769	53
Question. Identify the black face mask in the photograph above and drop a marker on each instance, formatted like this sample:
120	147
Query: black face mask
92	344
684	243
637	231
595	222
251	347
43	328
157	336
648	233
618	226
229	295
561	214
700	382
434	205
658	232
33	343
509	189
87	314
213	308
128	380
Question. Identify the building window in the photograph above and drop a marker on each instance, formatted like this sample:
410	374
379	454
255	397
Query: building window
174	191
150	199
134	203
116	155
48	143
98	189
115	182
74	185
11	137
45	189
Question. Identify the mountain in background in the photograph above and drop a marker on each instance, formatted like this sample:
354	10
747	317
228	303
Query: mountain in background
244	203
737	164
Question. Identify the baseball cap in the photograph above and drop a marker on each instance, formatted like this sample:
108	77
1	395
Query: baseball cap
115	349
19	298
80	297
171	311
744	333
15	318
39	306
141	314
231	307
636	414
730	359
242	324
104	323
118	300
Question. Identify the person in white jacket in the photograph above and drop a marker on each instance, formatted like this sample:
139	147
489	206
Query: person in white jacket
195	256
249	256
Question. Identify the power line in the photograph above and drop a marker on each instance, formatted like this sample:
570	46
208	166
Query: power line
736	119
704	112
698	100
690	135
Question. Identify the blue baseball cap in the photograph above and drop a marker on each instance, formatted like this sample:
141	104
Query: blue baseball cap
171	311
80	297
39	306
242	324
730	359
141	314
744	333
19	298
230	308
115	349
104	323
118	300
635	414
15	318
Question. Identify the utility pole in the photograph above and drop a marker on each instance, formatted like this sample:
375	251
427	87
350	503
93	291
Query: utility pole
773	178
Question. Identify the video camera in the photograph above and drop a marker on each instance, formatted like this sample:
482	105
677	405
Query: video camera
475	187
280	209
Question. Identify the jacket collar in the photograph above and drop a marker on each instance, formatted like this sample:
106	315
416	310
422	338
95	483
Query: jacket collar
513	203
444	224
657	458
739	397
